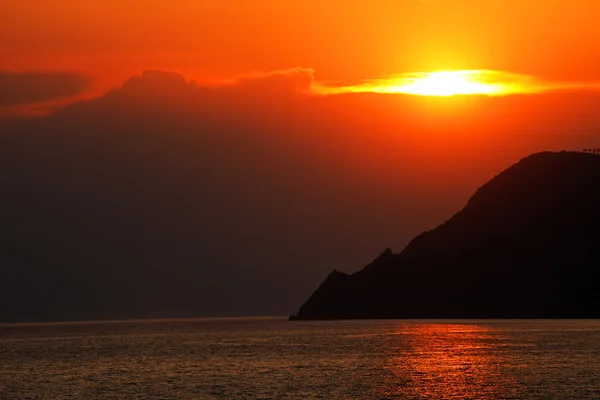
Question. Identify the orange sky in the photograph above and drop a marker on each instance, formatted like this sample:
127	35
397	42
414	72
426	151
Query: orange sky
295	183
111	40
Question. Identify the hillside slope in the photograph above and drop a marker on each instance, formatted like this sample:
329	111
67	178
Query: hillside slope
525	246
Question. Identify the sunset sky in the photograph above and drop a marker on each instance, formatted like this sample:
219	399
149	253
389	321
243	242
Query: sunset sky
242	149
342	41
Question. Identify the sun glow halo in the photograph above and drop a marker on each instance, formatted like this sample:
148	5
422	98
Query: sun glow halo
448	83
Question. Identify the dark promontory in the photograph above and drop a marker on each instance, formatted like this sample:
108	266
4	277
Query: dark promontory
526	245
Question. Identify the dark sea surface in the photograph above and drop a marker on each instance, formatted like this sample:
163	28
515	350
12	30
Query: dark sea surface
271	358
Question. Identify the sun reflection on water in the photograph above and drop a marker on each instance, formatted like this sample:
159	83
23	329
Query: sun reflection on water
448	361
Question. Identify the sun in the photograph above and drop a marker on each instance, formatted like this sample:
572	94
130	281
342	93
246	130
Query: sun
446	83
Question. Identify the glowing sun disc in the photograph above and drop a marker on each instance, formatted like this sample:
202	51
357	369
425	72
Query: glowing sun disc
448	83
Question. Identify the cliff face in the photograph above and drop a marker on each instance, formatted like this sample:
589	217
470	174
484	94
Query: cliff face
526	245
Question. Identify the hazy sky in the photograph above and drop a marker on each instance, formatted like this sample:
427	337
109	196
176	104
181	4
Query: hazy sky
341	40
231	186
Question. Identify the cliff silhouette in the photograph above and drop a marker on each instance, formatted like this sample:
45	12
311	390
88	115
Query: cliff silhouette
525	246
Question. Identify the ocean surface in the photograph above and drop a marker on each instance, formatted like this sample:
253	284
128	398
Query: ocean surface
271	358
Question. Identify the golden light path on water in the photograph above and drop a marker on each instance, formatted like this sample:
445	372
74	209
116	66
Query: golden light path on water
450	83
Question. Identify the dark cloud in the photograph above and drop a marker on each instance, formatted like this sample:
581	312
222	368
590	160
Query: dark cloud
31	87
165	198
155	81
295	80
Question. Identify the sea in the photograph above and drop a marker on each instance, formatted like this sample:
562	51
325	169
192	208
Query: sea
272	358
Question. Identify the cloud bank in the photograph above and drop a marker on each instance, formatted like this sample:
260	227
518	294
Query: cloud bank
165	198
30	87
